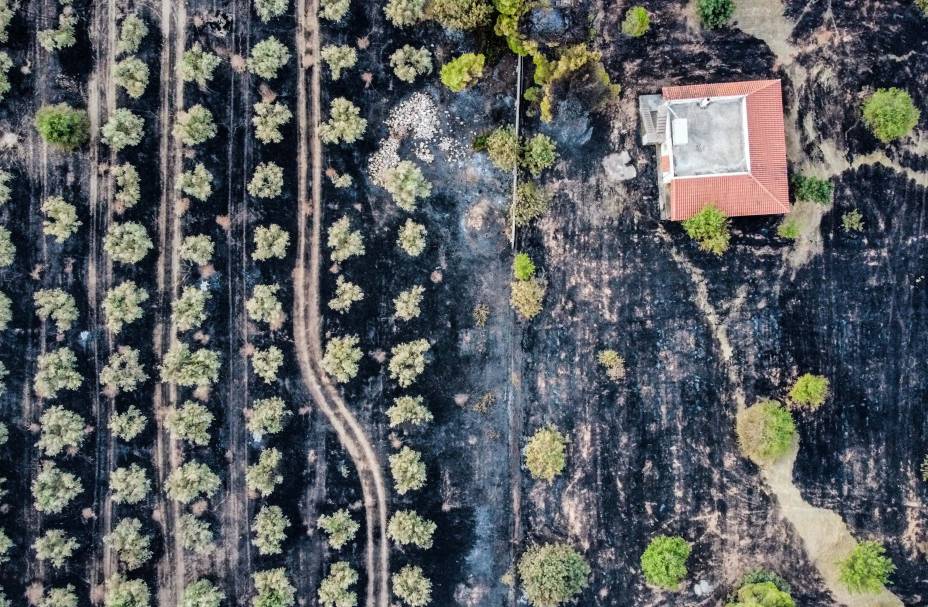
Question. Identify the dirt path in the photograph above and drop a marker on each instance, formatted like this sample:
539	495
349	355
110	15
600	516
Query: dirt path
167	456
306	319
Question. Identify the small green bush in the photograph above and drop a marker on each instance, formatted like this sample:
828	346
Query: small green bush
788	229
402	13
131	32
761	594
503	147
809	391
709	228
410	585
463	71
545	454
539	154
715	13
63	126
553	574
765	431
664	561
812	189
123	129
523	268
526	297
637	22
852	221
408	470
267	57
339	526
123	305
866	569
890	114
532	201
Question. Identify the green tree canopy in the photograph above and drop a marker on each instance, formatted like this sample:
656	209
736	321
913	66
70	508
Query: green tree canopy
552	574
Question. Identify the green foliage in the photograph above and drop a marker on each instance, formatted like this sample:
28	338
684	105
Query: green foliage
132	75
197	183
408	470
335	589
129	485
715	13
187	368
346	293
56	371
343	241
503	147
526	297
407	527
267	180
462	72
128	186
61	37
852	221
266	363
263	475
62	429
405	183
53	489
63	126
60	218
131	32
765	431
341	358
273	589
545	454
202	593
190	422
7	248
195	535
404	12
56	547
267	416
5	545
189	310
5	191
123	372
664	561
121	592
57	305
410	585
761	594
190	481
333	10
788	229
195	125
523	268
268	9
890	114
540	153
268	118
270	529
612	363
263	306
131	547
267	57
129	424
338	57
6	312
339	526
409	62
59	597
460	14
709	228
123	305
407	361
344	125
198	65
866	569
198	249
409	410
406	304
552	574
6	64
127	242
123	129
922	4
812	189
532	201
637	22
809	391
7	10
411	238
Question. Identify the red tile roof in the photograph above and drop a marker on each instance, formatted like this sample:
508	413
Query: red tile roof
765	190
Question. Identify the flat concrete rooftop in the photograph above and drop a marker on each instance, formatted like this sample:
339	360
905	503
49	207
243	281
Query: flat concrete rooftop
717	137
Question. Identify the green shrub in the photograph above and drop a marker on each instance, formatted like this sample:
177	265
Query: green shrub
335	588
123	371
61	37
190	368
788	229
121	592
709	228
129	545
63	126
852	221
412	587
765	431
339	526
407	527
715	13
411	238
503	147
132	75
60	218
343	241
267	57
341	358
407	361
463	71
129	424
404	12
408	410
406	304
408	470
637	22
195	125
54	489
61	430
267	416
123	129
409	62
812	189
664	561
129	485
890	114
406	184
131	32
460	14
268	9
526	297
190	422
197	183
127	242
539	154
7	248
198	65
338	57
202	593
190	481
268	118
195	535
333	10
266	362
128	186
57	305
6	64
198	249
56	371
123	305
263	306
270	529
532	201
6	312
346	293
188	311
344	125
273	589
552	574
545	454
760	594
523	268
866	569
267	181
56	547
263	476
809	391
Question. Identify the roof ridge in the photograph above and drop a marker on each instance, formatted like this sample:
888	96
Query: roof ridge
767	85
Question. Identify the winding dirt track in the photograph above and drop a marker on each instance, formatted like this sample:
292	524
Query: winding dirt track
306	320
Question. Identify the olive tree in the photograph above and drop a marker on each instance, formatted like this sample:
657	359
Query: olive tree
411	585
343	241
271	241
539	153
269	117
270	529
409	62
132	74
268	9
341	358
189	310
6	311
335	588
63	126
890	114
263	306
131	32
411	238
55	546
263	476
53	489
503	147
128	186
338	57
612	363
531	201
198	249
344	125
526	297
122	305
57	305
122	592
266	362
407	527
129	485
123	371
346	293
128	424
406	304
195	125
402	13
267	181
273	589
406	184
7	248
123	129
333	10
56	371
409	410
545	454
190	481
127	242
407	361
766	431
552	574
198	65
197	182
190	368
267	57
59	597
5	545
339	527
663	562
195	535
267	416
6	64
131	547
408	470
202	593
61	37
5	190
60	218
709	228
190	422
